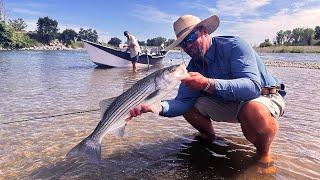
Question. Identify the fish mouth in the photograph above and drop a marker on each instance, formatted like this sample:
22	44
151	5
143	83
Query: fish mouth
182	71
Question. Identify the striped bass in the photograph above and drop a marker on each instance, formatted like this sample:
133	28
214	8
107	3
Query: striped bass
149	90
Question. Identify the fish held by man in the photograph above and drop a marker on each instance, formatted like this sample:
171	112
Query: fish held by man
149	90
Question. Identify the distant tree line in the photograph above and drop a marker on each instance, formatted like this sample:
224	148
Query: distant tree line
158	41
295	37
13	34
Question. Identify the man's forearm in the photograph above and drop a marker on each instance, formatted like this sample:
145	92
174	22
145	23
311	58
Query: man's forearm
210	88
235	89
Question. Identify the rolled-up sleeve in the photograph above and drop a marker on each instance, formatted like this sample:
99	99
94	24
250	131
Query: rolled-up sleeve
245	82
181	104
184	100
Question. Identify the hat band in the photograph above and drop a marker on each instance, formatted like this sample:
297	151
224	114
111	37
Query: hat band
183	31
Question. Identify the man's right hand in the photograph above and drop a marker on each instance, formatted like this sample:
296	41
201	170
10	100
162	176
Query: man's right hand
144	108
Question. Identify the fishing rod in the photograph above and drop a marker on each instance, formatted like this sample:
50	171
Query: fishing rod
183	57
51	116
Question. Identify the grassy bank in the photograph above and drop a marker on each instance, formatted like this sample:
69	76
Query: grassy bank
288	49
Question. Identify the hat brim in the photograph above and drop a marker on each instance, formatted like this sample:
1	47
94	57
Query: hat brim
211	23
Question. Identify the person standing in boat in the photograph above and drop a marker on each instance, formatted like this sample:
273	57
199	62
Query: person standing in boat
133	48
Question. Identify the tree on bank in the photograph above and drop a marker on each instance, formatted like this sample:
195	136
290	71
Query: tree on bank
114	41
88	34
168	42
156	41
47	29
307	36
13	40
298	37
18	24
142	43
68	36
317	33
287	37
266	43
6	34
280	37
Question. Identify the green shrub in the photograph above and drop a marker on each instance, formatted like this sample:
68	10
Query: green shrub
6	34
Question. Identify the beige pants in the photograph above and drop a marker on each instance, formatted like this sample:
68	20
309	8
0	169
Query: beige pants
228	111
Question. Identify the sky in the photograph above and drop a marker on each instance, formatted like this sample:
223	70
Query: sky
253	20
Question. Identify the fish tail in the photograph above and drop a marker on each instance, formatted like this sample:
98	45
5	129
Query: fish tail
89	148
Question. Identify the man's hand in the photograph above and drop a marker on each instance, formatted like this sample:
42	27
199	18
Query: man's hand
144	108
195	81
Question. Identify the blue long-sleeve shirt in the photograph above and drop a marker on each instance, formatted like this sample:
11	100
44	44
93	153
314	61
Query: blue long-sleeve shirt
237	70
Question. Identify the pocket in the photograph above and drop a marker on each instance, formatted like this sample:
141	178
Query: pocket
278	100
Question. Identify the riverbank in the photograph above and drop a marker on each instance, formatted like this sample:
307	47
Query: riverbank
44	48
307	65
288	49
53	46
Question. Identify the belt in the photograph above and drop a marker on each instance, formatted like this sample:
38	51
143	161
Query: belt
271	89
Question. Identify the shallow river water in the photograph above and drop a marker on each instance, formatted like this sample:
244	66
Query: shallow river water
49	101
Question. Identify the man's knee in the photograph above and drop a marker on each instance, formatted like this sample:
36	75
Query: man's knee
256	117
191	113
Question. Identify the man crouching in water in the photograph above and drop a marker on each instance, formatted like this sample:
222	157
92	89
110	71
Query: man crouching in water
228	83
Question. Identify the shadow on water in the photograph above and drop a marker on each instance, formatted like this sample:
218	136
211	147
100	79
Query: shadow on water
223	158
102	67
180	158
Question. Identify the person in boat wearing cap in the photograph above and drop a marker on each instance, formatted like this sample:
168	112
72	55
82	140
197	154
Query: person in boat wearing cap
133	48
228	83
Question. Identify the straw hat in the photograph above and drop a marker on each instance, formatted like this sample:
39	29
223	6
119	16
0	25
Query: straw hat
185	25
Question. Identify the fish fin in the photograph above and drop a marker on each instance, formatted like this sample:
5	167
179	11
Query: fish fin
104	104
89	148
119	131
153	94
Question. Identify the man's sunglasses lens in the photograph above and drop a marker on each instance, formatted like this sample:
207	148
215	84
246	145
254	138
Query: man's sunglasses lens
189	39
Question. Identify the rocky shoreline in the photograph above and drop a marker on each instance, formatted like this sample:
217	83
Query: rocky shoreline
43	48
288	49
53	46
295	64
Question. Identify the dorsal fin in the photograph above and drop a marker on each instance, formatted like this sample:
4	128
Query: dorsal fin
104	104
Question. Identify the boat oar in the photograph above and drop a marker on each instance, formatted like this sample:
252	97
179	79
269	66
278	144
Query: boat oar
148	61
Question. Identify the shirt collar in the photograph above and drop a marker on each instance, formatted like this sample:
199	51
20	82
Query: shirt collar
209	56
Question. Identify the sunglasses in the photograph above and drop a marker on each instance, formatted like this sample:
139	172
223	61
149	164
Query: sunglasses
189	39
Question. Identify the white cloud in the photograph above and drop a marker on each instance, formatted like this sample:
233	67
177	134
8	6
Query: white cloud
255	31
26	11
31	24
151	14
240	8
37	5
199	6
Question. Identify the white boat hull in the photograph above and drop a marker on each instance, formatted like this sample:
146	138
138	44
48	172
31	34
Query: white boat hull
99	56
105	56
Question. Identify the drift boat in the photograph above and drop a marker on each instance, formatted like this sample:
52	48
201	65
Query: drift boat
108	57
